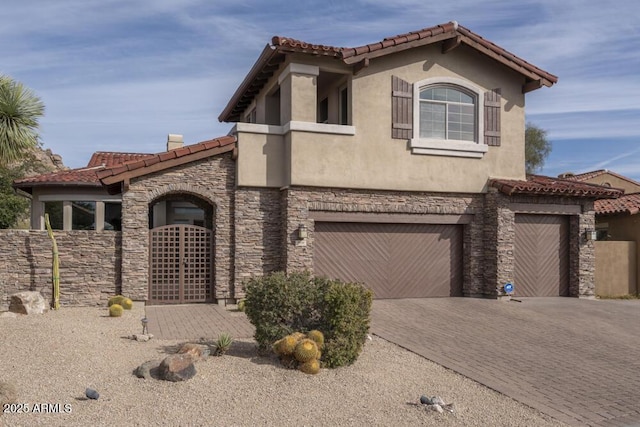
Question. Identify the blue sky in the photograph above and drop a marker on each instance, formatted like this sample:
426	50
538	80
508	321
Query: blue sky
119	75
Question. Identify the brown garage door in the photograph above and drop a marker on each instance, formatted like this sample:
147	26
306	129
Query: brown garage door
541	255
395	260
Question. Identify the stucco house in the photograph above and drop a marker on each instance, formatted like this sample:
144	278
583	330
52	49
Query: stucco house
399	164
618	232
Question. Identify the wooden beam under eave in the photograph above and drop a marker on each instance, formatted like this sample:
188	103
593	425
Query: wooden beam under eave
399	47
359	66
450	44
531	86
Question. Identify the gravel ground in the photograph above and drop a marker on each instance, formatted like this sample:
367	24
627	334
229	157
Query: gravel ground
51	359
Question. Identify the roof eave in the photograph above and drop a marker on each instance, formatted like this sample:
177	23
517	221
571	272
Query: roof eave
126	173
268	53
28	187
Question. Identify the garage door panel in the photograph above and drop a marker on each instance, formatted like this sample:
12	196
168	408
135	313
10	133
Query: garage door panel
426	261
351	252
407	260
541	255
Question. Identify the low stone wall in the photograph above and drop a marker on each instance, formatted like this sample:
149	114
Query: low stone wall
90	263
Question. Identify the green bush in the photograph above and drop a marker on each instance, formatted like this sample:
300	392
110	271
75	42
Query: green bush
277	305
345	312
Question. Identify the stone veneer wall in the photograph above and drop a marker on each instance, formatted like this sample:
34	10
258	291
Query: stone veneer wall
89	265
258	239
298	202
210	179
500	238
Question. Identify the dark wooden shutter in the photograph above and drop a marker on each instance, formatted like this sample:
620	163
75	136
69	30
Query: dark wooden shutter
401	109
492	108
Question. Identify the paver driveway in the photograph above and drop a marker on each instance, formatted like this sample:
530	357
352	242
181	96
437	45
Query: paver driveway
575	360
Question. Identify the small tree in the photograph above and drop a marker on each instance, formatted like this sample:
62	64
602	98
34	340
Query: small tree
12	206
20	110
537	147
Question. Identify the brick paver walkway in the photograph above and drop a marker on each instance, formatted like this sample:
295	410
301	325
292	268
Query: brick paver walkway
575	360
194	321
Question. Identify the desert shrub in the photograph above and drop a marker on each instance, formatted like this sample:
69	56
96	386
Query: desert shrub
346	309
277	305
223	344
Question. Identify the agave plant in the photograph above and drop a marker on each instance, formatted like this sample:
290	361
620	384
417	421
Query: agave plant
223	343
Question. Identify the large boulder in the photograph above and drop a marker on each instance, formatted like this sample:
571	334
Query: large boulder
177	367
148	369
28	302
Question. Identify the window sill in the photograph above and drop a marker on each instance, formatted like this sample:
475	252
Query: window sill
451	148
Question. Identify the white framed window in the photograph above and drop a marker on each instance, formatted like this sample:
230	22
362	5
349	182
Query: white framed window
448	118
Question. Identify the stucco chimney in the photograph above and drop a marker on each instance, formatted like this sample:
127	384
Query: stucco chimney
174	141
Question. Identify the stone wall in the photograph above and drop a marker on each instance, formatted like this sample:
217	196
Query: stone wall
258	237
210	179
89	265
298	202
500	241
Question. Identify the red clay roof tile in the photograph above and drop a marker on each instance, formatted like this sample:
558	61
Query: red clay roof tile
91	176
108	158
544	185
225	141
594	174
264	68
80	177
626	204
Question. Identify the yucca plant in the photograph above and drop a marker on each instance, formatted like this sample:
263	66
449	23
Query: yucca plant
223	343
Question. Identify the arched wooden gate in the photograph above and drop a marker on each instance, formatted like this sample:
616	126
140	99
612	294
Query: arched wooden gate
180	264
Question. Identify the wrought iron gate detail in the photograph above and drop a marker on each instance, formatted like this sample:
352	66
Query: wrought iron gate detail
180	264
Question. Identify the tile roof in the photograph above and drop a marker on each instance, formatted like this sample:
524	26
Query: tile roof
274	54
167	159
594	174
82	177
548	186
93	176
625	204
111	158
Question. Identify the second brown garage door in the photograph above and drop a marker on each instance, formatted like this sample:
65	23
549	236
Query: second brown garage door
541	255
395	260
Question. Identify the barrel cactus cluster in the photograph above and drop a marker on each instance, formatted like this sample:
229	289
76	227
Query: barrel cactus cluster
301	351
118	304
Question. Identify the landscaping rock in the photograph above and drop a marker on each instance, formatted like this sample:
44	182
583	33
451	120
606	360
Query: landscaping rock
436	404
196	351
8	394
91	394
28	302
177	367
148	369
436	408
140	337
